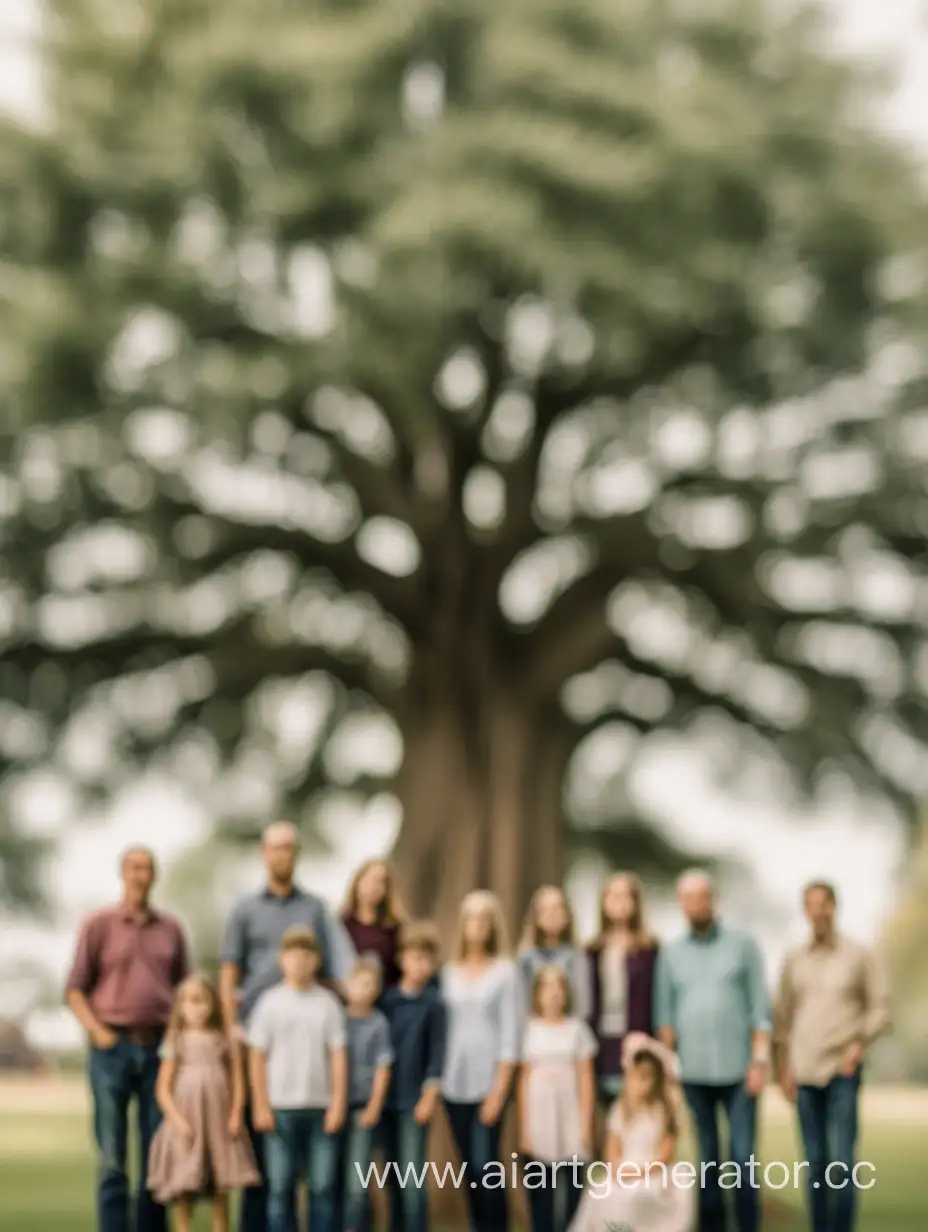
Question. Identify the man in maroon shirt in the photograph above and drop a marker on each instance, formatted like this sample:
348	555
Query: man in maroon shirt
129	961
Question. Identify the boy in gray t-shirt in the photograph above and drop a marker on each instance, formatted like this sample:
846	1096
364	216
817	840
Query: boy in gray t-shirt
299	1081
370	1056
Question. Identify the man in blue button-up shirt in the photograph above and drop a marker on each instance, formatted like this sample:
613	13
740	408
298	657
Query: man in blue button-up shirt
249	957
711	1005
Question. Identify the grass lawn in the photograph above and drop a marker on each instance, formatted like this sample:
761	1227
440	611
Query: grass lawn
46	1163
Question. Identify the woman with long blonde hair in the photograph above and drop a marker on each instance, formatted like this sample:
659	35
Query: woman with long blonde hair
621	960
549	939
481	990
373	916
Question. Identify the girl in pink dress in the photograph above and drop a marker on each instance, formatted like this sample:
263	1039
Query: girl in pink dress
642	1194
199	1150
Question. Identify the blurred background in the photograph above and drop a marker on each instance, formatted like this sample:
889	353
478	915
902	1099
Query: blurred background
491	434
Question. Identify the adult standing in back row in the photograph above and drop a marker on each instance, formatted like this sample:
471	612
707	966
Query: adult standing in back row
129	961
249	964
711	1005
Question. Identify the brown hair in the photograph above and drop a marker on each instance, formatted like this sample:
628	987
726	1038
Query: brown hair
826	888
482	902
390	911
370	964
300	937
420	935
659	1091
640	935
531	933
176	1022
551	973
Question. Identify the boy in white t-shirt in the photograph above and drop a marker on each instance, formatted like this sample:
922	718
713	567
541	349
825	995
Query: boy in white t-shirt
299	1083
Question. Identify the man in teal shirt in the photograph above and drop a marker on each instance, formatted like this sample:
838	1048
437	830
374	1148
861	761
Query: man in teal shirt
711	1006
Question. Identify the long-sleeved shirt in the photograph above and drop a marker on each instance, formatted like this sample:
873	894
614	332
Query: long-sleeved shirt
831	995
639	968
484	1028
418	1030
571	960
710	989
255	929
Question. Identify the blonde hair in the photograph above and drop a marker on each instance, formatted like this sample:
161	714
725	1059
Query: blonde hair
531	933
640	934
214	1022
390	911
551	972
371	965
482	902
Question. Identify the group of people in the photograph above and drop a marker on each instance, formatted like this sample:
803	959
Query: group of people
335	1037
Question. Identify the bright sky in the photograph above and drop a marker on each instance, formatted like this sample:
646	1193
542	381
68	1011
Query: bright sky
861	853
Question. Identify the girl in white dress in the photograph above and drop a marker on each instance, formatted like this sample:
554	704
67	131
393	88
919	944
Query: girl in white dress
641	1151
557	1100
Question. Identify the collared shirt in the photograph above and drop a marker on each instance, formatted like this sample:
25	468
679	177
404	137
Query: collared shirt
484	1028
831	995
418	1028
710	989
129	967
253	934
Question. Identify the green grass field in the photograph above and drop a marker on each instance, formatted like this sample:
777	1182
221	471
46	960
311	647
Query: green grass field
46	1162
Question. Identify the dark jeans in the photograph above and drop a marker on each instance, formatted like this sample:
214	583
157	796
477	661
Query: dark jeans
741	1111
252	1215
300	1147
405	1145
828	1120
478	1145
118	1075
554	1203
355	1156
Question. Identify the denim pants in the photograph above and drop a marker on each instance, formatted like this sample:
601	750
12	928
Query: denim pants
479	1145
553	1204
741	1110
118	1075
252	1211
828	1121
356	1154
405	1147
299	1148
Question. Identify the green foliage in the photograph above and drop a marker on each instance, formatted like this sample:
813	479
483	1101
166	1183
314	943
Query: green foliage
613	301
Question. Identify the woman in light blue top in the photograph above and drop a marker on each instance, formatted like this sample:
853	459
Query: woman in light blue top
482	994
549	940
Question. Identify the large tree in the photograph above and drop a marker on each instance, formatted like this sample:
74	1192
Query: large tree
531	379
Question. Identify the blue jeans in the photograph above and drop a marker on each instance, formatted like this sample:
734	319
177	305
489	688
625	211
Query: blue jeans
118	1075
478	1145
741	1111
300	1147
252	1213
554	1204
405	1146
828	1120
356	1154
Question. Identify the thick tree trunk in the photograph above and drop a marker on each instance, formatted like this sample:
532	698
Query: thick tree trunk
481	789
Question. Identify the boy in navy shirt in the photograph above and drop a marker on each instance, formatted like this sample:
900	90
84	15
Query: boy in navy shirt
416	1014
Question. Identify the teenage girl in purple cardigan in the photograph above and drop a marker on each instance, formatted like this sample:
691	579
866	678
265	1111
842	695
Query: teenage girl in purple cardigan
621	977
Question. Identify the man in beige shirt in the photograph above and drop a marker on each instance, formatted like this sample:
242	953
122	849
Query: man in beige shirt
832	1002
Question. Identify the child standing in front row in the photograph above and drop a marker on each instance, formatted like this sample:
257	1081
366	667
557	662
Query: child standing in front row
370	1055
416	1014
549	940
299	1083
199	1150
557	1101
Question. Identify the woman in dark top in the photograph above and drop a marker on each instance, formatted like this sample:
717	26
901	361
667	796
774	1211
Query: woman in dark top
373	915
621	975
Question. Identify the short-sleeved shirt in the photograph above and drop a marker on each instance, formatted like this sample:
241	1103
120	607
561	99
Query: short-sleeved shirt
252	937
129	967
369	1048
552	1051
298	1030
